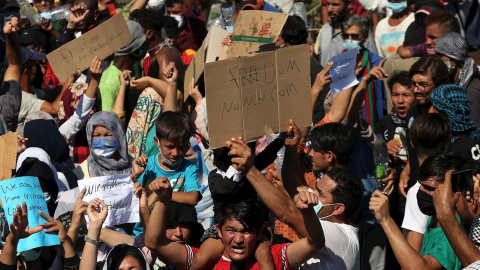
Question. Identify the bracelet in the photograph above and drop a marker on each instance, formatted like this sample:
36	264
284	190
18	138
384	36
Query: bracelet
92	241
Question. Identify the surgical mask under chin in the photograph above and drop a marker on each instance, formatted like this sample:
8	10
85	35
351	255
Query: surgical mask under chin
449	67
168	162
351	44
180	19
319	207
47	196
397	7
425	203
104	147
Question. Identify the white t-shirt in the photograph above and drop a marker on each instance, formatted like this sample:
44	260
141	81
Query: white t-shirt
341	250
388	38
414	219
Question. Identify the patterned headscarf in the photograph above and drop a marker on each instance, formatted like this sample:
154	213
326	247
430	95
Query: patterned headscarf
453	100
100	166
70	99
454	46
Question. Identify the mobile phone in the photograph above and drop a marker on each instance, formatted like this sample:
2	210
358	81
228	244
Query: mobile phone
462	181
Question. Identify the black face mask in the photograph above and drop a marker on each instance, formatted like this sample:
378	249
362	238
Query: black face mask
425	203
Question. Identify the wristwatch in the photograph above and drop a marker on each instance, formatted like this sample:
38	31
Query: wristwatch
92	241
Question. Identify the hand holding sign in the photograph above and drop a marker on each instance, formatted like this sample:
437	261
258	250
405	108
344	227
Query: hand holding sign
97	212
343	71
162	188
19	227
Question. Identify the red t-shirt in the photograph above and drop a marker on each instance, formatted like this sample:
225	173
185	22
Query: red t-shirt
279	254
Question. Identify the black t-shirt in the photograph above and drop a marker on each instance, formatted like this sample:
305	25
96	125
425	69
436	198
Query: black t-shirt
10	101
469	149
414	112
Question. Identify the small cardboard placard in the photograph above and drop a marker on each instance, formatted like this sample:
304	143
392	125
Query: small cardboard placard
101	41
8	154
27	189
208	52
252	29
255	95
343	71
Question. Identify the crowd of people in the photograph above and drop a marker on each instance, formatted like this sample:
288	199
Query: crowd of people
308	198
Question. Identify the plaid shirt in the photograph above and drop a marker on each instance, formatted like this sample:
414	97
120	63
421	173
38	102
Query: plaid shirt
194	31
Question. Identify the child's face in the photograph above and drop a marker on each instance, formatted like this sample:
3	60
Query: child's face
171	150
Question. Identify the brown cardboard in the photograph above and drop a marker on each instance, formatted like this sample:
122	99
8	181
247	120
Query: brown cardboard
208	52
252	29
101	41
8	155
255	95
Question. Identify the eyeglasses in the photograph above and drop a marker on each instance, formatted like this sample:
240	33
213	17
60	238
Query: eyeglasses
420	85
353	36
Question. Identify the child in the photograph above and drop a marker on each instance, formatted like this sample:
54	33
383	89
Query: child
228	184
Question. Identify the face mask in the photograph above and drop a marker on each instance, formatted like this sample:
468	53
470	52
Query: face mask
47	196
180	20
425	203
449	67
319	207
397	7
168	162
104	147
351	44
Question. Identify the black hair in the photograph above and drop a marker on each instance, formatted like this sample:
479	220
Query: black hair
221	159
400	77
437	164
120	251
170	25
295	36
170	3
349	190
433	65
148	19
333	137
248	212
174	126
445	19
429	133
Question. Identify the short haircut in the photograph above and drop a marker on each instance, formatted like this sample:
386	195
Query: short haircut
433	65
333	137
170	3
248	212
361	21
148	19
120	251
295	36
437	164
430	133
445	19
170	25
221	159
174	126
400	77
349	190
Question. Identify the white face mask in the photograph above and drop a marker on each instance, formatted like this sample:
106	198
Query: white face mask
180	20
319	207
106	153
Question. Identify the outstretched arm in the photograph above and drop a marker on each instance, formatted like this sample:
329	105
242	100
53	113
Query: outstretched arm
97	212
13	51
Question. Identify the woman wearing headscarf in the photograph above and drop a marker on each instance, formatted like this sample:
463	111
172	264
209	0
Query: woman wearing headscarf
452	101
108	147
453	50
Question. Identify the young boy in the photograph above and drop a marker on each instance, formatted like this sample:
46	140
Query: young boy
173	130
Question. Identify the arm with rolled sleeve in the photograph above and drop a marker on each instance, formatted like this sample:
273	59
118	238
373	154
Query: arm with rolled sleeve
73	125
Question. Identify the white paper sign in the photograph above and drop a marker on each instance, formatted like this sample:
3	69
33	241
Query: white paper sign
343	71
117	193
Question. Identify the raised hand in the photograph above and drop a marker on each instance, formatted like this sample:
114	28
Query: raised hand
19	227
21	144
379	206
227	40
241	154
138	166
322	79
377	72
77	16
162	188
444	199
78	215
293	136
11	27
125	77
171	73
97	211
96	68
306	200
24	23
141	194
54	225
46	25
194	93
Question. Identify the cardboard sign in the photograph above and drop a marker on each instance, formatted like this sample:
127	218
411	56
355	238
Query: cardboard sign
255	95
117	193
8	155
208	52
101	41
27	189
343	71
252	29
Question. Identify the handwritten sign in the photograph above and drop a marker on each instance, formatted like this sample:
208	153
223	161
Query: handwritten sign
101	41
117	193
343	71
27	189
255	95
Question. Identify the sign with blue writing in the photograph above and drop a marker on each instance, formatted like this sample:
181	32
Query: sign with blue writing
343	71
27	189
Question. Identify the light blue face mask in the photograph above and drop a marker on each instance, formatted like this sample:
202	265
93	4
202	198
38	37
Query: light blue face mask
319	207
397	7
104	147
351	44
47	196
